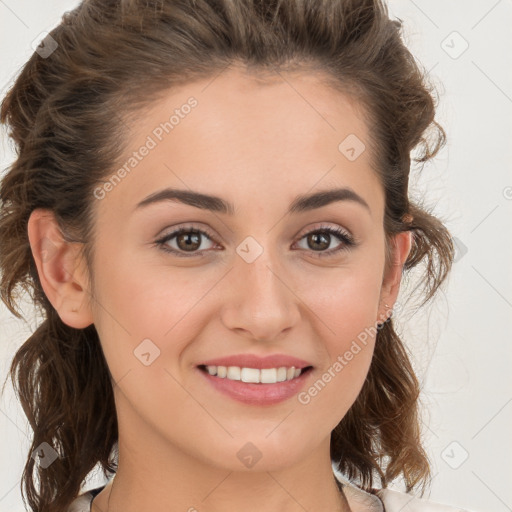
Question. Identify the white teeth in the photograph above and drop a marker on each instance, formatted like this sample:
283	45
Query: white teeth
254	375
250	375
234	373
281	374
268	376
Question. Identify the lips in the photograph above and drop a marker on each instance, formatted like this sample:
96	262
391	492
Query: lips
261	394
257	394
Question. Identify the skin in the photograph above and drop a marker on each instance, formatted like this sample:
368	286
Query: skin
257	146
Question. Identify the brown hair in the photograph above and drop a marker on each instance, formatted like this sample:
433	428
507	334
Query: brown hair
69	115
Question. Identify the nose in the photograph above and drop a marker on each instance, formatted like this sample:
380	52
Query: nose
258	300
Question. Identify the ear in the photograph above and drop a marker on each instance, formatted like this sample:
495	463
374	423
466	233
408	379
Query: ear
400	248
62	271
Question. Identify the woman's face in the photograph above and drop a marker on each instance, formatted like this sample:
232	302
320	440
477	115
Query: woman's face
262	280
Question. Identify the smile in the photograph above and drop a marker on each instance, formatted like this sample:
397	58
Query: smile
256	386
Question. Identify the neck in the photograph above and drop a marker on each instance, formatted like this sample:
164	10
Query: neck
191	487
157	474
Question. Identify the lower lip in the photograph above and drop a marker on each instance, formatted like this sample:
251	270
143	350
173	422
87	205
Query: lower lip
257	394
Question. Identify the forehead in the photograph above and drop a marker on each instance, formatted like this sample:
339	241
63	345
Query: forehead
277	133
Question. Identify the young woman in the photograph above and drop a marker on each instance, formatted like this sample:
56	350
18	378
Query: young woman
210	207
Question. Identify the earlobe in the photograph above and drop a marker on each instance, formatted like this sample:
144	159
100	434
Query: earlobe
401	247
61	269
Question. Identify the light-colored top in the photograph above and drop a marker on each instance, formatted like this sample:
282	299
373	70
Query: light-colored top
384	500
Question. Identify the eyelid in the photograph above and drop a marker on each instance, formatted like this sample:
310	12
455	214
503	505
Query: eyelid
347	239
161	241
320	226
189	226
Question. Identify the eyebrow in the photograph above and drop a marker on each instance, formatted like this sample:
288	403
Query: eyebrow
302	203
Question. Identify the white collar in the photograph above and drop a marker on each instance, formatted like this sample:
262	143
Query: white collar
358	499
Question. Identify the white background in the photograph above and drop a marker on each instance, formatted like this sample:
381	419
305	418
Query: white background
461	346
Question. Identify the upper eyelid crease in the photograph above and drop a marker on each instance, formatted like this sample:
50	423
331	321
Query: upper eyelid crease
302	203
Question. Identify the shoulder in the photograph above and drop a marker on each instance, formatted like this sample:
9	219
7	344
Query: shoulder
395	501
82	503
387	500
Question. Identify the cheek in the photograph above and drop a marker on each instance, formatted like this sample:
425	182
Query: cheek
146	324
139	302
348	333
344	311
344	302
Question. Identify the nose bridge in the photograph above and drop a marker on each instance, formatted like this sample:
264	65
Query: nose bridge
261	302
258	273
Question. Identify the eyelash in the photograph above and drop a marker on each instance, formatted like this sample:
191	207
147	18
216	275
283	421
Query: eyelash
348	241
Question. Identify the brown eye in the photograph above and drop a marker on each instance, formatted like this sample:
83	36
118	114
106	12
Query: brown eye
185	240
189	241
320	239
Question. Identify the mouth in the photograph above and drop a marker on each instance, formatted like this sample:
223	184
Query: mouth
256	386
255	375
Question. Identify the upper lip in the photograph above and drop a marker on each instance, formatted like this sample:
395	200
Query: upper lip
259	362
